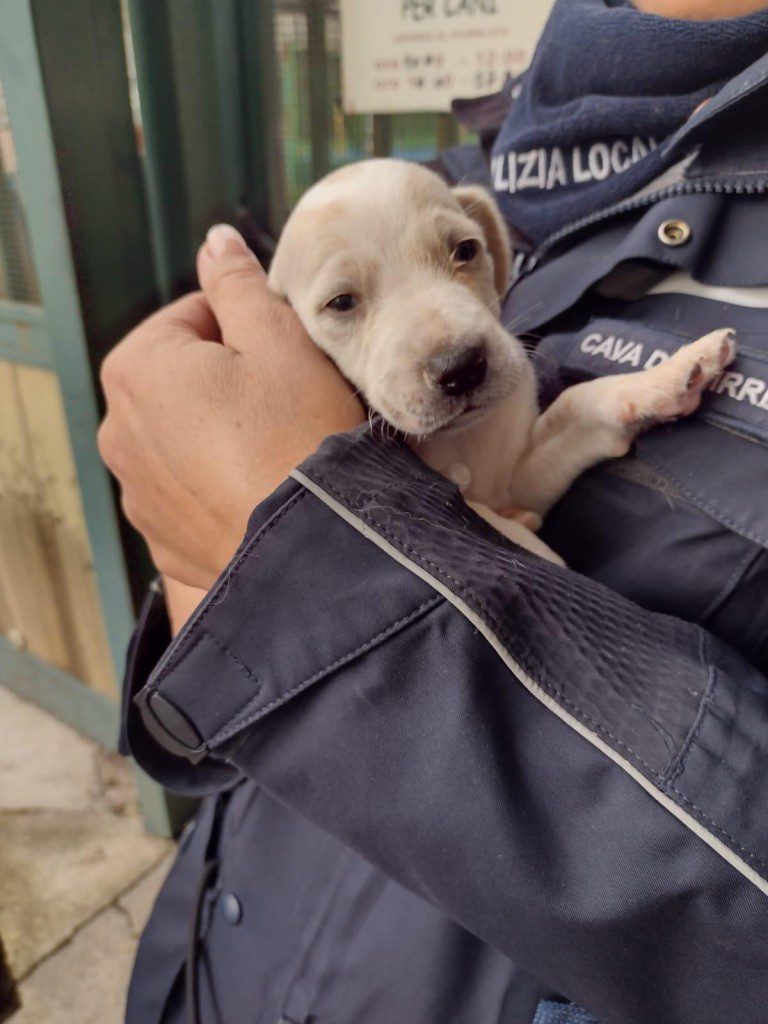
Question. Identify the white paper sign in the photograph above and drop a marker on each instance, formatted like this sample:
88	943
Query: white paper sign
401	55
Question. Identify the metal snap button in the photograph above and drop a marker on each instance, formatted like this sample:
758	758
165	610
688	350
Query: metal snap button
231	908
674	232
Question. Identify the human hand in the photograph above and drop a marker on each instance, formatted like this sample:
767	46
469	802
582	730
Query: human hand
211	403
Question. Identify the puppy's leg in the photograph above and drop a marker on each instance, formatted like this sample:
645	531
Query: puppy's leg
514	530
670	390
601	418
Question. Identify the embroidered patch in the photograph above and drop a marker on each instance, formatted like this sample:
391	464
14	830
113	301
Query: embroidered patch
738	399
547	168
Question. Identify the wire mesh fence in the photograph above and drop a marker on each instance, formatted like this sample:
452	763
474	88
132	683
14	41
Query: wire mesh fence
238	109
316	134
18	281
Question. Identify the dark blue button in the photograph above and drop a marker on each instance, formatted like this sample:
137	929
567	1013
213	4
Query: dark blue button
230	908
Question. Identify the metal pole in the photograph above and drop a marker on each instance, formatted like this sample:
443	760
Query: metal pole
382	135
263	113
164	171
447	131
319	93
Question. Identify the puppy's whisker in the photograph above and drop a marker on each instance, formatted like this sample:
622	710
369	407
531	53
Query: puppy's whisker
521	317
547	362
354	396
530	346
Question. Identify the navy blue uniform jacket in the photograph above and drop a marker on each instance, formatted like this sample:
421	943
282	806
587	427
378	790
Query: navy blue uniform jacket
447	782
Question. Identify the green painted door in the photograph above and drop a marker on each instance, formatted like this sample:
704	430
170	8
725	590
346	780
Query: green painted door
70	181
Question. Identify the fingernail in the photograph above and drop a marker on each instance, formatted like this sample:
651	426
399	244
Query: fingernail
223	236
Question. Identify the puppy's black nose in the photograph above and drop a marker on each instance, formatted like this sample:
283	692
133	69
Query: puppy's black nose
458	373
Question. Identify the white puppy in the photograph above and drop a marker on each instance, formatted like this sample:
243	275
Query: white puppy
398	278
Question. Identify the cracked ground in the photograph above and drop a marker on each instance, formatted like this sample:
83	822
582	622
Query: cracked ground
78	873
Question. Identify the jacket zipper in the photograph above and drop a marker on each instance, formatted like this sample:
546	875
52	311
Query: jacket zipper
628	205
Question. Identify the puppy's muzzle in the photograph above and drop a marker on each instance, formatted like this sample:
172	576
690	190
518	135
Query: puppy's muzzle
457	373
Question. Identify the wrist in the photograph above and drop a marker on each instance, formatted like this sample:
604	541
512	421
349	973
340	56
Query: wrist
269	475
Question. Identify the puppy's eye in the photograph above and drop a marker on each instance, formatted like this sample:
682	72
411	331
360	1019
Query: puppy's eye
342	303
466	251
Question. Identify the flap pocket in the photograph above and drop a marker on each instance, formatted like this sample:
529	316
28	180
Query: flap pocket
718	457
737	401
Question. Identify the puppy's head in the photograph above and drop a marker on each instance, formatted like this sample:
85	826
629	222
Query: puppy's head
398	279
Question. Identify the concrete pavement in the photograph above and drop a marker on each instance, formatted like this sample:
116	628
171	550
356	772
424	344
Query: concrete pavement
78	874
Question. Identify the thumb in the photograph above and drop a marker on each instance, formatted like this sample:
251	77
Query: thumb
234	284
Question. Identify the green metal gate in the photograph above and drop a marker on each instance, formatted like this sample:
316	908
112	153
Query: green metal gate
73	278
241	111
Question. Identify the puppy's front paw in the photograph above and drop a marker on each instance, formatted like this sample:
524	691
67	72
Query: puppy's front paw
674	388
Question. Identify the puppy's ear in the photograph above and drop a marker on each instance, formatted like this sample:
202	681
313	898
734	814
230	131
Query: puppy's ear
480	206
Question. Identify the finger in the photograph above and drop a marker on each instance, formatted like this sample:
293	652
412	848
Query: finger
191	316
193	313
235	285
188	319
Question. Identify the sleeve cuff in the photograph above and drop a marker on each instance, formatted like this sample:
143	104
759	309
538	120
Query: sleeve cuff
150	640
304	595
